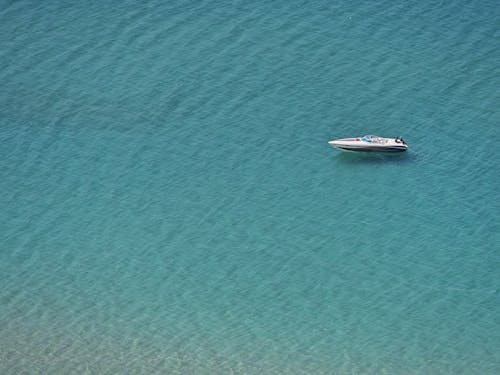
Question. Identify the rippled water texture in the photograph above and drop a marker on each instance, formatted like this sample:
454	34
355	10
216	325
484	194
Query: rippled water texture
169	202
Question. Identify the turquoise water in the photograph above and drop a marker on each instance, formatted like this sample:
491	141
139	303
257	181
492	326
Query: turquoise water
170	203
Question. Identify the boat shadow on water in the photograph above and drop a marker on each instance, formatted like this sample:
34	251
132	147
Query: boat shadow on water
354	158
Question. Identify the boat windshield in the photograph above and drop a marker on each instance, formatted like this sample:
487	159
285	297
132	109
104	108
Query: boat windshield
371	139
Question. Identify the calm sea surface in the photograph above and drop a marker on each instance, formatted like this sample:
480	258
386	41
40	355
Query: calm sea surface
169	202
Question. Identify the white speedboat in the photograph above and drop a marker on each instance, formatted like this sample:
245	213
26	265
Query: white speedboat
370	143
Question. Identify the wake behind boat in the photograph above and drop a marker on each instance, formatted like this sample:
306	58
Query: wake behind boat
370	143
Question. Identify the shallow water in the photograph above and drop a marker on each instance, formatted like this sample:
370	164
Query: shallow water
171	205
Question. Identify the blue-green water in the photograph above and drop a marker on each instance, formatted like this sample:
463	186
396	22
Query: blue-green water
169	202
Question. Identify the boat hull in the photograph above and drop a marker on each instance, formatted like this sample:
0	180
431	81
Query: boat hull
371	149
